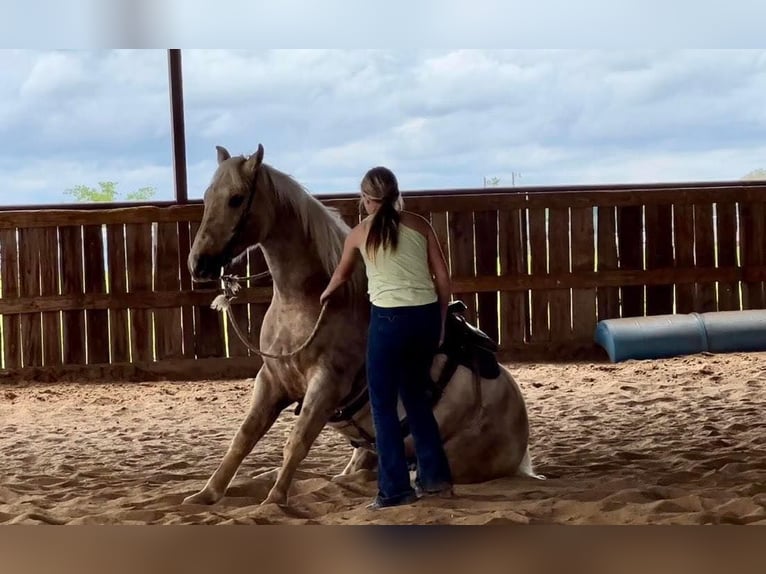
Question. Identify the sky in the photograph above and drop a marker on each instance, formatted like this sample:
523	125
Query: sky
438	118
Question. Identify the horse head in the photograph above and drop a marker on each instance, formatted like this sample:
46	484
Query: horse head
237	213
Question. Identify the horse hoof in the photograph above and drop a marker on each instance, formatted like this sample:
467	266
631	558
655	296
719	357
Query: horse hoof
202	497
276	498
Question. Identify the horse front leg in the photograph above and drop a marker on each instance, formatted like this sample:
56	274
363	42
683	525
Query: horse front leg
361	459
268	401
321	399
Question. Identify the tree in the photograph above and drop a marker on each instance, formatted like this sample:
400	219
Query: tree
495	181
755	174
108	193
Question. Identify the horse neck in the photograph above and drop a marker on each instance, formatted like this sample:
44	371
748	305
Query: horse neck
292	259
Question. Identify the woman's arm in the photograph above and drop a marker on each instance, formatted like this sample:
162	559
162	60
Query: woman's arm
345	266
439	269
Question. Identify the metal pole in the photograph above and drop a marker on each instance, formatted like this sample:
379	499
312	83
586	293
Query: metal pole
177	122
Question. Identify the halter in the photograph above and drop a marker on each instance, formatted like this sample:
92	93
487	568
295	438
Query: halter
225	252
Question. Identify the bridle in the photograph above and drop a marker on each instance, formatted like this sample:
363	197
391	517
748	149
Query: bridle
243	216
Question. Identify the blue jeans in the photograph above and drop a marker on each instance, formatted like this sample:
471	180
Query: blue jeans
401	345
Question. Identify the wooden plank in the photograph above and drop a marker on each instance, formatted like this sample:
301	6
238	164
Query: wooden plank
167	322
584	310
704	256
753	226
441	229
262	295
559	263
350	217
575	196
72	289
138	248
629	233
514	306
236	348
147	300
244	367
538	255
726	231
9	274
97	320
215	369
37	218
444	200
486	264
550	282
49	285
458	202
462	256
683	229
344	198
119	330
524	256
584	280
420	208
31	241
208	324
608	297
239	368
659	255
187	311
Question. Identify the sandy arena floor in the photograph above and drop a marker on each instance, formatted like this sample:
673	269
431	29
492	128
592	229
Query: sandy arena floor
676	441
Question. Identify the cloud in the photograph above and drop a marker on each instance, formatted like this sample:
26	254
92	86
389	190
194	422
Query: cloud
56	74
85	103
439	118
45	180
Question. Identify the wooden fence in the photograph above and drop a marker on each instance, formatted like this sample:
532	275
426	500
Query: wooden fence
105	293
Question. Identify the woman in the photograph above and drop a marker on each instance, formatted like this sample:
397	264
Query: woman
409	288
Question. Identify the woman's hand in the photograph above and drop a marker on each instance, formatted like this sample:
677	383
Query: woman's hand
325	295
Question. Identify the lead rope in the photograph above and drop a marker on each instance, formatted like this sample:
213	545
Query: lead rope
231	286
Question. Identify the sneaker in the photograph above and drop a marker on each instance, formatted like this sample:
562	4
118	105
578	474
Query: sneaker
443	492
378	504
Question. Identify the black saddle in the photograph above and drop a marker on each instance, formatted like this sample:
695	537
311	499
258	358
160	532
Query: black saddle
460	332
468	345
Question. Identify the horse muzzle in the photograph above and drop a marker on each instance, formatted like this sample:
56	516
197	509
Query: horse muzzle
205	266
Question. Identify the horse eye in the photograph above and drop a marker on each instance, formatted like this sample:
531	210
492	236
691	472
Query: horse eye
236	200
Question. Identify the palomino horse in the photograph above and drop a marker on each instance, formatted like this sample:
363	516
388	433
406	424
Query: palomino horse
250	203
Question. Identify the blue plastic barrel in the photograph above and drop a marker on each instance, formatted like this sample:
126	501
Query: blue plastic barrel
736	331
664	336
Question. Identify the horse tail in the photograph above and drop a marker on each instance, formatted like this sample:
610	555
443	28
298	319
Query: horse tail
526	469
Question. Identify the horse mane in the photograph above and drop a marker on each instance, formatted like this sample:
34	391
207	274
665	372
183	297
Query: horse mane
322	225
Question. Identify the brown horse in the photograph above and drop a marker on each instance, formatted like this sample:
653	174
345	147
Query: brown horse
249	203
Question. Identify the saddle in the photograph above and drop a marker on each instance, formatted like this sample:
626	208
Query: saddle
464	344
468	344
467	332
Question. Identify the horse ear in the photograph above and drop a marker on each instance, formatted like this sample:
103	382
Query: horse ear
223	154
255	160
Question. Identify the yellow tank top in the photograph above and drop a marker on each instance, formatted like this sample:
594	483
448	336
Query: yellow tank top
402	278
